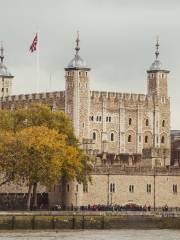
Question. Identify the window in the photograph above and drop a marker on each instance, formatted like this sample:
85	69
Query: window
131	188
85	187
139	138
148	188
79	73
94	136
86	74
67	187
2	90
98	118
162	140
77	188
146	139
108	119
163	123
147	122
130	121
91	118
112	137
112	187
129	138
175	188
7	90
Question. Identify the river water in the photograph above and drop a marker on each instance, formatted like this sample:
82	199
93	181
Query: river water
92	235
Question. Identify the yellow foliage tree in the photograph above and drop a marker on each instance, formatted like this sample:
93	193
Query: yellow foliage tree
38	146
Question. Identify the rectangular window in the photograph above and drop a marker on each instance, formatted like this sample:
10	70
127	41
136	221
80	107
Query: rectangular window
175	188
67	187
2	90
131	188
85	188
148	188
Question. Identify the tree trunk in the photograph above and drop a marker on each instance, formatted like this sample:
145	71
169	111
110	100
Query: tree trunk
28	204
35	195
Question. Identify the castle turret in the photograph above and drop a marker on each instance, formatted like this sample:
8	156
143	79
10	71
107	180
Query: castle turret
158	89
5	76
78	94
157	76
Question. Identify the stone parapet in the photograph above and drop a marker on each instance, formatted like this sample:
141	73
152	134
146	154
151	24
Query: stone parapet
126	97
147	171
33	96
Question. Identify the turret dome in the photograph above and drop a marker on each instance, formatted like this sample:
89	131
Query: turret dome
3	69
77	62
156	65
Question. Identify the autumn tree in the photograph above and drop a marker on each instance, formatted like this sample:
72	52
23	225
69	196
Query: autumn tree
38	146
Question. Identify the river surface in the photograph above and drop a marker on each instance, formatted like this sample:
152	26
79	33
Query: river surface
92	235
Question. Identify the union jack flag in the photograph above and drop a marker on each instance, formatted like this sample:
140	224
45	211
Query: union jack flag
34	44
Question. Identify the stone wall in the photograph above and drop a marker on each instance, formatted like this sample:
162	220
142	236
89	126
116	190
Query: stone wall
163	185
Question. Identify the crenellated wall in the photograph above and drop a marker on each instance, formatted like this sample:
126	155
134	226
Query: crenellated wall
54	99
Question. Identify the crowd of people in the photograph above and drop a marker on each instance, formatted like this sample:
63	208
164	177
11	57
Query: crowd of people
128	207
110	207
101	207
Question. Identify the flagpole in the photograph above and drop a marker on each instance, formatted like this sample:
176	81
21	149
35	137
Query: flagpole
37	64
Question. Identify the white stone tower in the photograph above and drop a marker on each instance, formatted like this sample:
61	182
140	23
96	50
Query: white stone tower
77	94
158	90
5	76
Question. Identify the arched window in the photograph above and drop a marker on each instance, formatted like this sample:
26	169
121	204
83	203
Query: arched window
130	121
112	137
147	122
67	187
163	123
129	138
94	136
112	187
162	139
146	139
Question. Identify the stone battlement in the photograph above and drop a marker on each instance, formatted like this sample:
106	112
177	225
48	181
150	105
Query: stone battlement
33	96
146	171
124	96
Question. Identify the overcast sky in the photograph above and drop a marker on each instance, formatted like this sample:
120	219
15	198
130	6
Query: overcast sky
117	42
